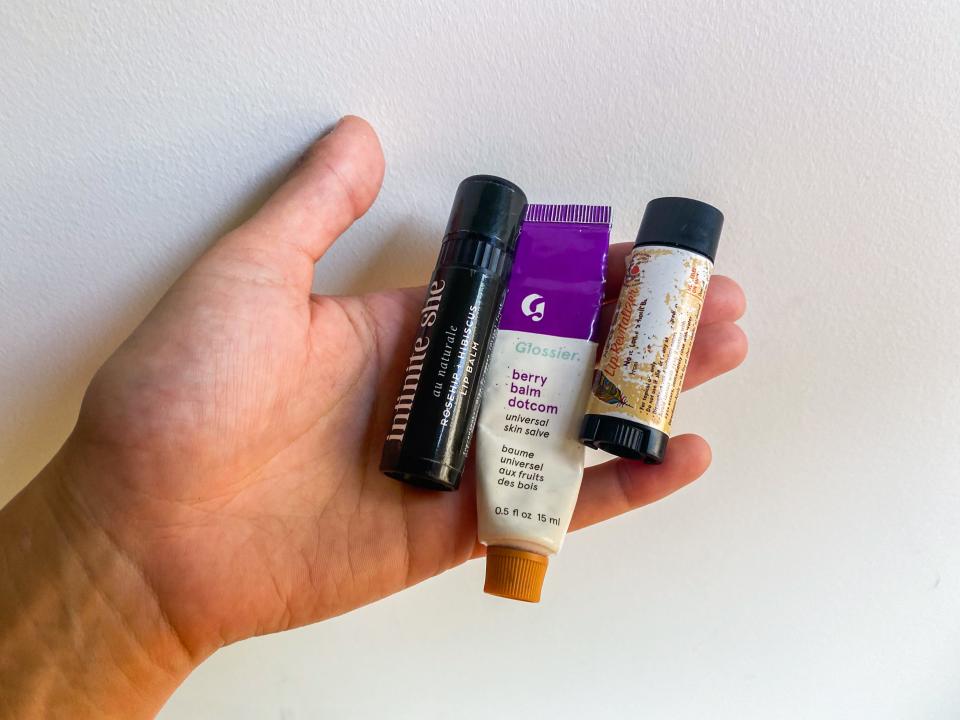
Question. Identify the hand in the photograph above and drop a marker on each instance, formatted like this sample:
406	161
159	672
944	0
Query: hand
229	449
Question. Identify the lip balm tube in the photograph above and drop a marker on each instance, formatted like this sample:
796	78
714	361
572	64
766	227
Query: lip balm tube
641	372
436	411
529	458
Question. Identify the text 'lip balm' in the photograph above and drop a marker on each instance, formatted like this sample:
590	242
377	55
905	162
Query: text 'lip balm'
433	419
644	360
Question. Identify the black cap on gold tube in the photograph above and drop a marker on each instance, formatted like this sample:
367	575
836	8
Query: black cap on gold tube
635	390
683	223
433	420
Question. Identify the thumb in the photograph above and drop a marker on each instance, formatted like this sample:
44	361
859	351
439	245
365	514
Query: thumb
334	182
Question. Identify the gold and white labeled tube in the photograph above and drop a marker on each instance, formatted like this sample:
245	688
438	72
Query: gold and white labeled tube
645	358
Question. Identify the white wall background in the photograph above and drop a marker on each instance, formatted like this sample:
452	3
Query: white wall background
813	573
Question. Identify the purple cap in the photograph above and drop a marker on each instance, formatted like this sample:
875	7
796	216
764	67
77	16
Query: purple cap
556	286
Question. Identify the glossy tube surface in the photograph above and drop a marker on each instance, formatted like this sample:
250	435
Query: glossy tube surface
529	459
651	335
435	413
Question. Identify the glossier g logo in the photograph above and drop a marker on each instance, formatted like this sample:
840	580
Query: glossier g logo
533	306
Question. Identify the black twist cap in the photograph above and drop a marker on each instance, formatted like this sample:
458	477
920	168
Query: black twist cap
489	206
683	223
627	439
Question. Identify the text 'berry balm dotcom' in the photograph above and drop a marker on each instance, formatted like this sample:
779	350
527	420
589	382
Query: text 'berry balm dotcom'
529	458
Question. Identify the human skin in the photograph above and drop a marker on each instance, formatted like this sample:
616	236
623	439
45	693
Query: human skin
222	479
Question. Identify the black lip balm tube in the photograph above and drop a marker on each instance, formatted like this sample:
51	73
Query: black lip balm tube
435	414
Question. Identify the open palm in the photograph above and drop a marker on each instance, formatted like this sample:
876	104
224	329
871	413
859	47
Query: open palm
230	446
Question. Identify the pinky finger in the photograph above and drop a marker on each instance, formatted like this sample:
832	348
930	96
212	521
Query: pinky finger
618	486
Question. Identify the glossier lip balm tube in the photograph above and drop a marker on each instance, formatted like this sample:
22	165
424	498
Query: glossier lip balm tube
529	457
641	371
434	417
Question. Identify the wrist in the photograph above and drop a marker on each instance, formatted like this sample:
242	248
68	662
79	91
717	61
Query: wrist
81	632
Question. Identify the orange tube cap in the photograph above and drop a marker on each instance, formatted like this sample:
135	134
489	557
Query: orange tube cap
514	574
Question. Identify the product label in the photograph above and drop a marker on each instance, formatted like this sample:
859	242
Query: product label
529	458
437	406
645	358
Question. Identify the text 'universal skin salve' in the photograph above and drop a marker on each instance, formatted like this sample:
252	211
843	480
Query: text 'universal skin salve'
529	458
436	410
644	360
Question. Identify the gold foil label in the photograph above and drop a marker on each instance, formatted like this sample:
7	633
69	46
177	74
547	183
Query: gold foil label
647	350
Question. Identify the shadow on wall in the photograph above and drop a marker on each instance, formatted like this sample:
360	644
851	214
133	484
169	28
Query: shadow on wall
38	416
